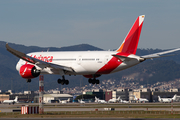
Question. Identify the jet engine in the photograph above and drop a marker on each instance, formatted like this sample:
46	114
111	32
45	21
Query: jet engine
29	71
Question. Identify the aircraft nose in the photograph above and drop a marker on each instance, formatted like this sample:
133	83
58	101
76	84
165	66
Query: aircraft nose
17	66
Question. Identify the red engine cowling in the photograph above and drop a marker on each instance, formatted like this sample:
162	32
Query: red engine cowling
29	71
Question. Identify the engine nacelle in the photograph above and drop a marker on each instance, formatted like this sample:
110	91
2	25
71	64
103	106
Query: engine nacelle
29	71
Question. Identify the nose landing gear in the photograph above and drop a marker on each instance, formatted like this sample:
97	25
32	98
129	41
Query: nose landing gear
28	80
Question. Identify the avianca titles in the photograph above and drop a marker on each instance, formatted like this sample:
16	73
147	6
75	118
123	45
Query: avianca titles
90	64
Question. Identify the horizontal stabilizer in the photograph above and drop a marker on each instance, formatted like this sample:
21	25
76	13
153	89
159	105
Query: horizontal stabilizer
160	54
123	58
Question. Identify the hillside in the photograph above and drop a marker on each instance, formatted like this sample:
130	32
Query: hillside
161	69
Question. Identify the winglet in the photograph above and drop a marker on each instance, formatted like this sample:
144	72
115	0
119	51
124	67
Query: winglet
130	42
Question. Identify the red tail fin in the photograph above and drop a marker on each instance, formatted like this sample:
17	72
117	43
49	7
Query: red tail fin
130	43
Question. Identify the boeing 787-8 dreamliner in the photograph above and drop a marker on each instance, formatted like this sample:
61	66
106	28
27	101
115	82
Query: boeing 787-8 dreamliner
90	64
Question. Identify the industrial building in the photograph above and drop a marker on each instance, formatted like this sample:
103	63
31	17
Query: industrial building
128	94
99	93
48	97
27	96
125	94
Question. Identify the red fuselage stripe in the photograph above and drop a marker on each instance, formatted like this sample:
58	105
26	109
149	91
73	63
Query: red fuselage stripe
111	65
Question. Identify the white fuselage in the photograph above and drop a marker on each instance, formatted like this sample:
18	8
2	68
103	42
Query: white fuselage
81	101
82	62
124	101
166	100
8	101
143	100
112	101
101	101
11	101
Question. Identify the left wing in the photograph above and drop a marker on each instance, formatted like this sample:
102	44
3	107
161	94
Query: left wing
37	61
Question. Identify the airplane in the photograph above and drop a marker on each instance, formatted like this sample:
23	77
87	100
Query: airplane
11	101
141	99
81	101
97	100
114	100
167	100
64	101
124	101
90	64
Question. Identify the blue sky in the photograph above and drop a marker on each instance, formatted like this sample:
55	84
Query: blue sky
101	23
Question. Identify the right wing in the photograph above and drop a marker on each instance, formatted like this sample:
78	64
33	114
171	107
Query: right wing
160	54
37	61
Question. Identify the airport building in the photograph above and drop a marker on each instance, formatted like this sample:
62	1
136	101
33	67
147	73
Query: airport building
48	97
152	95
27	96
128	94
108	95
99	93
125	94
164	95
4	97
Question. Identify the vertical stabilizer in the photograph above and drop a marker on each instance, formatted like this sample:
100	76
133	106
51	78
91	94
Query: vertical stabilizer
174	98
16	99
159	98
130	42
135	97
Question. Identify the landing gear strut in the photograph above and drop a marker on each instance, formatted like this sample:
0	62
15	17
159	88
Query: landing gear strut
63	81
93	81
28	80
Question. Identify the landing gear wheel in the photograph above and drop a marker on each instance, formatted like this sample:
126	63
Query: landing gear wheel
90	80
62	82
66	82
59	81
93	81
97	81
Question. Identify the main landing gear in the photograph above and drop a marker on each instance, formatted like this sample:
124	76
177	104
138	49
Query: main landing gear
63	81
93	81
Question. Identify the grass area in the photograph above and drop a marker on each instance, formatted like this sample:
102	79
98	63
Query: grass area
113	106
96	114
119	107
